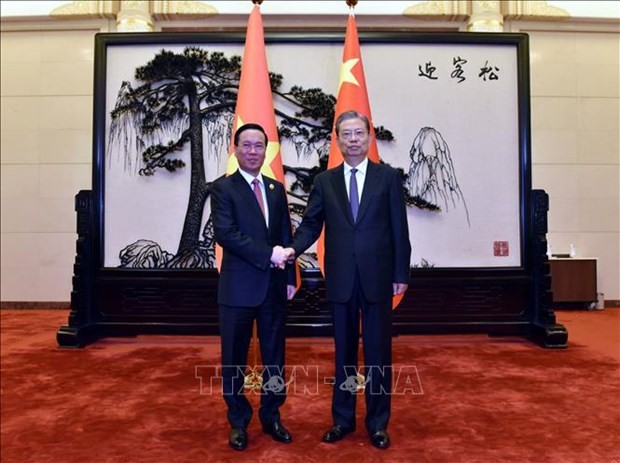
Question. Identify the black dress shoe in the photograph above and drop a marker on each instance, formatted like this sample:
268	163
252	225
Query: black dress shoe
278	432
336	433
380	439
238	439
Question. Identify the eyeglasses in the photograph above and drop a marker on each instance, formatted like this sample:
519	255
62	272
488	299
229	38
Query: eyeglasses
248	147
349	134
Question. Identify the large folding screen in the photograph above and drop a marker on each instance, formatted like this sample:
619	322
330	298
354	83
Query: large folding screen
451	111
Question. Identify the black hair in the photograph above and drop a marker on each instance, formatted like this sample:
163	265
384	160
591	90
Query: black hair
249	126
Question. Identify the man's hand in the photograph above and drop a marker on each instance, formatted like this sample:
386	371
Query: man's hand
290	255
399	288
290	291
279	257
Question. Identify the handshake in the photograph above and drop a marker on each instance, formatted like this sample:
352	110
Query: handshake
281	256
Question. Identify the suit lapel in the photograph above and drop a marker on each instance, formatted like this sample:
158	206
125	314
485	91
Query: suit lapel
272	198
245	191
337	179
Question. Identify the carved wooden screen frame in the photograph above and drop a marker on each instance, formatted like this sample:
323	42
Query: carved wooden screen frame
508	297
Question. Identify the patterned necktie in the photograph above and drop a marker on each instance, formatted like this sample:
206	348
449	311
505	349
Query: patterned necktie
258	194
353	196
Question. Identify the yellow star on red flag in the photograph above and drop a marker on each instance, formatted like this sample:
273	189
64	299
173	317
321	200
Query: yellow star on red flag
346	73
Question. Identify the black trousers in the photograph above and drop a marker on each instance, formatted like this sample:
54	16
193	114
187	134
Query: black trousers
377	347
236	325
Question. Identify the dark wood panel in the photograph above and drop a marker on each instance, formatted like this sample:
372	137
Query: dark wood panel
496	301
573	280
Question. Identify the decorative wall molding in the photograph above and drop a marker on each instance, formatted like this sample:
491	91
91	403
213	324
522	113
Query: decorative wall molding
174	10
134	16
446	10
535	10
87	10
35	305
178	15
486	16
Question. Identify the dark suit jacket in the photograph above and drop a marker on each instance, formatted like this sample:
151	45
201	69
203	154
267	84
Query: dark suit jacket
240	229
376	245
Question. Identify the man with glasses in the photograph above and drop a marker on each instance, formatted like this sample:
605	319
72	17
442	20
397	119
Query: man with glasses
251	223
367	253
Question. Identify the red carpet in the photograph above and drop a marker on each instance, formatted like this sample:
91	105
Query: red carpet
137	400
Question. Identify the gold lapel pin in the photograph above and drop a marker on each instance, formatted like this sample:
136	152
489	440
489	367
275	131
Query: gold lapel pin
271	186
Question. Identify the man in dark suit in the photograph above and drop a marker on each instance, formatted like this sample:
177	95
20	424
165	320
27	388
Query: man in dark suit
367	253
251	223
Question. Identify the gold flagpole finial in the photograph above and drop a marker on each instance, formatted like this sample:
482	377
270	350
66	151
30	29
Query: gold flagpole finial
351	3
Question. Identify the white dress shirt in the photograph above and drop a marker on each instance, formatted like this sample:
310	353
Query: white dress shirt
360	176
250	178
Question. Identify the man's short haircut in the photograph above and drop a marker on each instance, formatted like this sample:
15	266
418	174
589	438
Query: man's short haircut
249	126
345	116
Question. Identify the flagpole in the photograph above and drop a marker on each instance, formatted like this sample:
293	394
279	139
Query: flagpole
254	380
361	379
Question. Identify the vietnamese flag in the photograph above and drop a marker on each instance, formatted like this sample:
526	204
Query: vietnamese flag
254	100
255	105
352	95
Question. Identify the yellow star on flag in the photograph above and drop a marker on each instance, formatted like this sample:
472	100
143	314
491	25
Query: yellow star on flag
273	147
233	164
346	74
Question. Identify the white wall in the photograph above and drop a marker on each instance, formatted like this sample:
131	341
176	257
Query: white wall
46	113
575	144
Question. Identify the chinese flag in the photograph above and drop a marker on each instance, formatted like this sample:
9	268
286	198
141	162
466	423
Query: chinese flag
352	95
255	105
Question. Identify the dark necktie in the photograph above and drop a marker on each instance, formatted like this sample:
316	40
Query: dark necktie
258	194
353	196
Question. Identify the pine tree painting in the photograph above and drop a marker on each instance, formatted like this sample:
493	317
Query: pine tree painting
185	100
